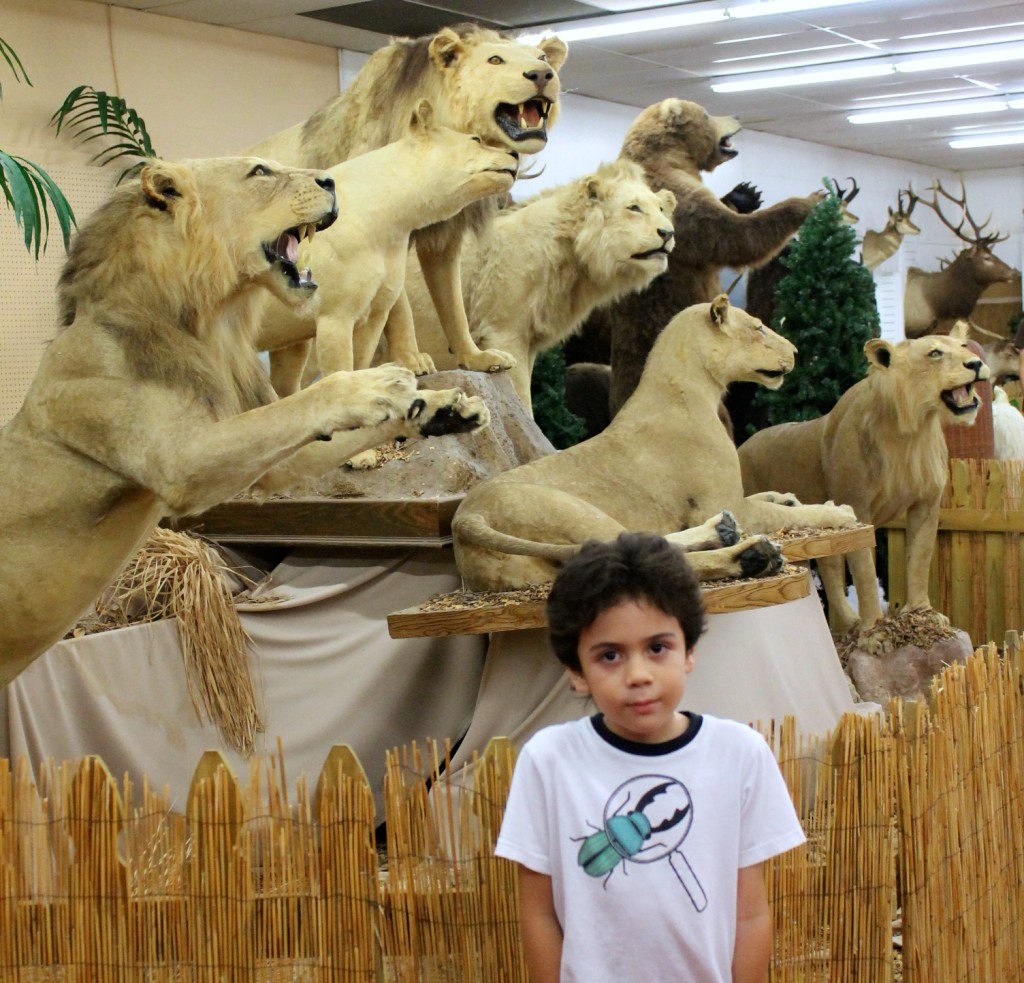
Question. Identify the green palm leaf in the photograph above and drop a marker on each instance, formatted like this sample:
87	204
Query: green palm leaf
91	114
30	191
15	64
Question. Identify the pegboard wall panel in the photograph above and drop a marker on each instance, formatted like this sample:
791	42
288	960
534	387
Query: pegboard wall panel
28	309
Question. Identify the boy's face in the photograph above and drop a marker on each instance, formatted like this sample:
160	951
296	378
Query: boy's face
634	663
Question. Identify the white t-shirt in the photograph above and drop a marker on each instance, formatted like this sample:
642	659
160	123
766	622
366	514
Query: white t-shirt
643	843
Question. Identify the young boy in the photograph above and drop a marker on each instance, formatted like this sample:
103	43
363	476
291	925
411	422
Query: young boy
641	832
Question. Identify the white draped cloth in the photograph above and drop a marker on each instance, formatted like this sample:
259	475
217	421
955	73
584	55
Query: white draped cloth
327	672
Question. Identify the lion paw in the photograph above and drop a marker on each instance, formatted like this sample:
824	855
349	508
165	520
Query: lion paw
759	556
874	640
364	460
728	531
442	411
488	360
840	516
779	498
419	363
367	397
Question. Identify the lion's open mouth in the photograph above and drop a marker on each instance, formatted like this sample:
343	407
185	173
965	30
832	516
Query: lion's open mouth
527	121
772	373
283	252
961	400
663	250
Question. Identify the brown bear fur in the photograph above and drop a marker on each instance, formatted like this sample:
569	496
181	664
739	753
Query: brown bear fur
674	141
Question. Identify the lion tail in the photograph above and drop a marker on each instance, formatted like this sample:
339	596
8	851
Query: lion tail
473	528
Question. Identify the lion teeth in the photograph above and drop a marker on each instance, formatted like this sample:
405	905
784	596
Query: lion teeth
308	232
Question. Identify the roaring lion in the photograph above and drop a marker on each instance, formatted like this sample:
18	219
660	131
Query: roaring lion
151	400
361	261
533	275
478	81
880	450
665	464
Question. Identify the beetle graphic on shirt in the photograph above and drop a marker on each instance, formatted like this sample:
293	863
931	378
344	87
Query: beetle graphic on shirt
645	820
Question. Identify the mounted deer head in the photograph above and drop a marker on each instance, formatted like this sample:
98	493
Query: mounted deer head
879	246
953	291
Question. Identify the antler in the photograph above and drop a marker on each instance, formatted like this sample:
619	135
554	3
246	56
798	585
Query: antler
910	197
979	240
846	196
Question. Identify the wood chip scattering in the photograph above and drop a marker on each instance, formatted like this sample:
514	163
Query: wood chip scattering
919	628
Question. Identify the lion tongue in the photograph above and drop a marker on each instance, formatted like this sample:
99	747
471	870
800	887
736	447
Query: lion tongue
287	247
529	116
962	396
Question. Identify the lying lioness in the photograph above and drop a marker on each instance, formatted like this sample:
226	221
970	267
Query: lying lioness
665	465
151	401
882	451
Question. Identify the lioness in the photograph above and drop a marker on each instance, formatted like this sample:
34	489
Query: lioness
361	260
664	464
881	450
151	400
534	273
479	82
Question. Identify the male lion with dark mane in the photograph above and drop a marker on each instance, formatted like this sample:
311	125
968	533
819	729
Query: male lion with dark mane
152	402
479	82
880	450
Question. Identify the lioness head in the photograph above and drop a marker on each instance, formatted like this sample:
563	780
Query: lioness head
503	90
462	167
626	228
732	345
682	130
932	374
201	230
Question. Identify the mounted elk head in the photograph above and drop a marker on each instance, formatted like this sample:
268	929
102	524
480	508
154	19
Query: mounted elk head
845	197
879	246
953	291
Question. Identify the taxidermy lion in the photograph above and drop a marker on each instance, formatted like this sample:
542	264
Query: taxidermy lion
478	82
664	464
674	141
427	176
533	274
881	450
151	401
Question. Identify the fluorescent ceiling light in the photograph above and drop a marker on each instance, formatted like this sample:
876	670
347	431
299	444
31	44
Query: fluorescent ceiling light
957	107
683	15
981	55
872	68
608	28
806	76
995	140
767	7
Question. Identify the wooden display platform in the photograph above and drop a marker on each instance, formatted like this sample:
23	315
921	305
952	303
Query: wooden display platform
460	614
509	613
329	521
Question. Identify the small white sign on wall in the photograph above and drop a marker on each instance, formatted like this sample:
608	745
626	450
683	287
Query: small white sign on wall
889	298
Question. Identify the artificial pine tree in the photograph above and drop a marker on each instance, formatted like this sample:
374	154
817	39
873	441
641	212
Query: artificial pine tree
825	305
547	391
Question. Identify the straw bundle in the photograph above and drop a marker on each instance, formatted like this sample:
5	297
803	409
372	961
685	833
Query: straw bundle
176	575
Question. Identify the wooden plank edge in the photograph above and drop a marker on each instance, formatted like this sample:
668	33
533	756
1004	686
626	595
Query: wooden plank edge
744	595
812	546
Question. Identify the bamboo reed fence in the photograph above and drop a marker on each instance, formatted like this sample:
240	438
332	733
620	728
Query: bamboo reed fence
913	815
975	577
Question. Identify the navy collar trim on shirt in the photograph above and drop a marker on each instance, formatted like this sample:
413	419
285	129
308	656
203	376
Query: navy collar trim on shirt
648	750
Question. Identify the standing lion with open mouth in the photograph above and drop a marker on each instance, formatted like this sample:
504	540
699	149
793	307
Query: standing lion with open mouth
152	402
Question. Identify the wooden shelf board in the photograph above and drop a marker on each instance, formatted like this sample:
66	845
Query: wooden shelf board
329	521
729	595
828	543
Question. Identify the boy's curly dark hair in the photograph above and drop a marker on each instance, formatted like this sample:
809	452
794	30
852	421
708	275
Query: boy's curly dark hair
634	566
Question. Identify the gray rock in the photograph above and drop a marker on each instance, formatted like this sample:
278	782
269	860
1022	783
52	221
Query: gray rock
906	671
